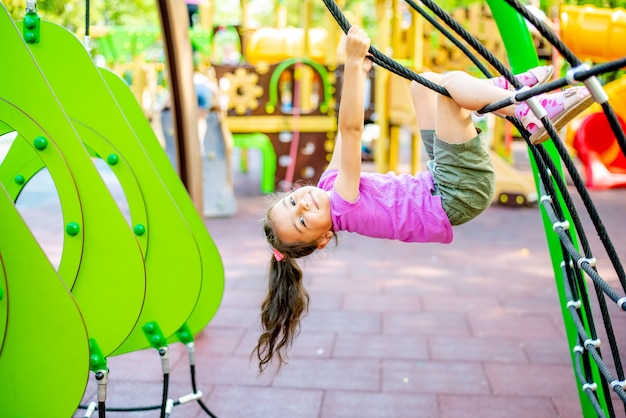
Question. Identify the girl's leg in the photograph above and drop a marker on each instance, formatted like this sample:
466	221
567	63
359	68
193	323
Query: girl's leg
425	101
449	119
461	165
561	107
454	123
425	105
475	93
472	94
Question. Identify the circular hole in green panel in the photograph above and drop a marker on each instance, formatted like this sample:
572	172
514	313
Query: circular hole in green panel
114	186
6	140
39	205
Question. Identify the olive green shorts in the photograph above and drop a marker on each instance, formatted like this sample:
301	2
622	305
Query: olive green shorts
464	178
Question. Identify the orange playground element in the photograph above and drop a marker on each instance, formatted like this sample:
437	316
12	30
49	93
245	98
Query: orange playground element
599	35
593	33
595	144
271	45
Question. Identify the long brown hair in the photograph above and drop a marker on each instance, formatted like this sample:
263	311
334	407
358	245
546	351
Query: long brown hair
286	301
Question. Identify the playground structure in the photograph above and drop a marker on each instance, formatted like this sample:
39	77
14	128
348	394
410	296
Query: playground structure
59	133
417	45
119	287
302	134
598	35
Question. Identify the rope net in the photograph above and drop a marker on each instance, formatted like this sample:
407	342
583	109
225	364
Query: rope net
591	370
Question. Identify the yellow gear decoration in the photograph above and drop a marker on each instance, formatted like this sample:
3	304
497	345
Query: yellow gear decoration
243	91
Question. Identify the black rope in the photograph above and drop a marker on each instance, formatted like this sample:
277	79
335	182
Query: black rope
87	13
101	406
552	181
101	410
452	38
467	37
595	353
572	59
166	381
134	408
546	169
550	174
194	388
381	59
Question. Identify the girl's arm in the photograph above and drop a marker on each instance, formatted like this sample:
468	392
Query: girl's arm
351	116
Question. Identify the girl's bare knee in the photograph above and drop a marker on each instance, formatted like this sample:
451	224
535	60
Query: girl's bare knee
453	78
434	77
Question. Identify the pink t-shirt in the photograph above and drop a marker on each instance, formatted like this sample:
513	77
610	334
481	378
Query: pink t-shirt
400	207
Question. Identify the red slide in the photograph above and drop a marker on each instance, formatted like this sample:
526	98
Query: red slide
598	150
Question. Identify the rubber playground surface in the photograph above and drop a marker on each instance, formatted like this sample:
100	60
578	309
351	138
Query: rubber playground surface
470	329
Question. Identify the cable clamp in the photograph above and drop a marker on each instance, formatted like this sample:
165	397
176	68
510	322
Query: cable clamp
164	353
191	353
90	409
545	198
169	405
102	378
597	91
591	261
591	386
521	90
578	349
190	397
563	224
595	343
576	304
563	264
570	75
621	303
31	6
536	107
592	83
620	383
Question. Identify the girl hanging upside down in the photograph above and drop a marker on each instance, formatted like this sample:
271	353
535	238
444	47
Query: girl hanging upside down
458	185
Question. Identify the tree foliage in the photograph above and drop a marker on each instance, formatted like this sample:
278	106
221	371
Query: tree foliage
72	13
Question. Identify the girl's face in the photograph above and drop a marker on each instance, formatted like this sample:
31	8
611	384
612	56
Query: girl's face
303	216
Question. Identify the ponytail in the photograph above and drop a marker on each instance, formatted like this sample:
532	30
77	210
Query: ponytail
286	301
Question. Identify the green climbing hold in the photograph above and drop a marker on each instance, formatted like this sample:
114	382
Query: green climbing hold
72	229
139	230
19	179
113	159
31	27
40	143
184	334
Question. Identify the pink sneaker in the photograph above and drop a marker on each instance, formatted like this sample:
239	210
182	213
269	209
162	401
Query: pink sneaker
534	77
561	107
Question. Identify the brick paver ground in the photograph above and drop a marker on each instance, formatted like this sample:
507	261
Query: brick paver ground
466	330
470	329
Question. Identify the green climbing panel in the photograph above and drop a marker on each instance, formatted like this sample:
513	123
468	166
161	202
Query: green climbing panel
102	262
212	268
173	272
183	283
44	361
